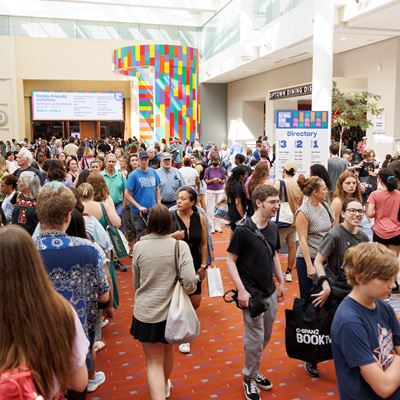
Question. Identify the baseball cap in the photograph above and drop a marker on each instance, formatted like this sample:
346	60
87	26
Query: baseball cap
165	156
290	165
143	154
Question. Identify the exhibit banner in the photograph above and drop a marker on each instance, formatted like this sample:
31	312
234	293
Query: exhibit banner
302	137
77	106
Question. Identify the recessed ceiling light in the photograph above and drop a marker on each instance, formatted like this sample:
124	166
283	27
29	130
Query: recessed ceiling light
343	38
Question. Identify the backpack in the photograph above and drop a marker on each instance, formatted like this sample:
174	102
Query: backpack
17	384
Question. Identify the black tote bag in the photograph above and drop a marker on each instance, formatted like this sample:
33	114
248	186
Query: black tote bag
307	333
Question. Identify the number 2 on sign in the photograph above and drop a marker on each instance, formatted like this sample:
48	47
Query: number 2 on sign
299	144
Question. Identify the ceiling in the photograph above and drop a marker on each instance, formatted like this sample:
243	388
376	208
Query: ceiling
380	24
165	12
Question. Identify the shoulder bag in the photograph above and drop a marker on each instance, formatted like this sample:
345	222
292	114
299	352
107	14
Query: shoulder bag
182	323
284	216
115	236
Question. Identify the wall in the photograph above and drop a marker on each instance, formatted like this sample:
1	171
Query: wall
360	64
59	64
213	112
364	62
256	88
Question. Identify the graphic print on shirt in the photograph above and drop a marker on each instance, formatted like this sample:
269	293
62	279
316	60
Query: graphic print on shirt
148	181
384	353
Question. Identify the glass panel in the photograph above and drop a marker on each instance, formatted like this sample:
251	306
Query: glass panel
222	31
188	37
42	27
266	11
4	25
86	29
169	33
149	32
129	31
20	26
64	28
108	30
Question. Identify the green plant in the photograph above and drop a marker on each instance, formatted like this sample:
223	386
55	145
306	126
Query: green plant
353	110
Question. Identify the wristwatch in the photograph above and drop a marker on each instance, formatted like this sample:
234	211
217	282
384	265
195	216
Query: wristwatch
204	266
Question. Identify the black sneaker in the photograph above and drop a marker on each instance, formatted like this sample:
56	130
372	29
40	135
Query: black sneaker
262	382
311	369
251	390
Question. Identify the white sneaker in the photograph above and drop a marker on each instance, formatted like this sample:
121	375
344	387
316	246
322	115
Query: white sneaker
288	277
99	379
168	387
184	348
219	230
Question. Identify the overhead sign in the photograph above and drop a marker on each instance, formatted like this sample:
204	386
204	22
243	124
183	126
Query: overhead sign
295	91
302	137
77	106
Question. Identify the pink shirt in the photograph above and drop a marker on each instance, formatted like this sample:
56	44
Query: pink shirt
387	206
80	349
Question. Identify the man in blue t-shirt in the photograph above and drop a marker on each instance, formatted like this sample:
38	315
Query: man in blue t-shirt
143	192
365	332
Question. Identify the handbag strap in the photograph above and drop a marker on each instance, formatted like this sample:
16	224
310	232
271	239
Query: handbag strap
103	210
256	232
283	185
176	258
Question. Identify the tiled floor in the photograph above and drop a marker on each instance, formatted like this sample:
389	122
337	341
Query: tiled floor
213	369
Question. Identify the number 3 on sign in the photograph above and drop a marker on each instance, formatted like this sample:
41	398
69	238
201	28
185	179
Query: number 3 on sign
299	144
282	144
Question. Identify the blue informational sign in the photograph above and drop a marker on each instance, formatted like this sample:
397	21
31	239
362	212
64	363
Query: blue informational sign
302	137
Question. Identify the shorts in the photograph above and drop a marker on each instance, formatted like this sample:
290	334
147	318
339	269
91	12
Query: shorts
148	332
139	224
287	235
130	233
203	188
394	241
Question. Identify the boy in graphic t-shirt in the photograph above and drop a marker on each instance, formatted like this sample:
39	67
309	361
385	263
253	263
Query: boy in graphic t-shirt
365	332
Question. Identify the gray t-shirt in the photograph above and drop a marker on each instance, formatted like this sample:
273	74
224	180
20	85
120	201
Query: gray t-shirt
319	223
336	242
336	166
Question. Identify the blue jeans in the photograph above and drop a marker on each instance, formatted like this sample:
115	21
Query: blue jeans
305	283
119	208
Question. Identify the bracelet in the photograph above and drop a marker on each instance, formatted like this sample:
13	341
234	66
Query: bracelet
204	266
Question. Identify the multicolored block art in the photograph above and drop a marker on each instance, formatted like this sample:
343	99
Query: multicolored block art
169	97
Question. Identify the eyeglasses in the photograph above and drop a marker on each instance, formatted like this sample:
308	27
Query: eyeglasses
355	211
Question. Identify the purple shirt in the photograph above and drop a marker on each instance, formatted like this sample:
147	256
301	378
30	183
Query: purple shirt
215	172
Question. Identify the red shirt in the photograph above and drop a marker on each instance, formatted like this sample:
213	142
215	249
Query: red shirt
387	206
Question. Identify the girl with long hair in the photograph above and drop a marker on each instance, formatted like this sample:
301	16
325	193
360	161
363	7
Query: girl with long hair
347	186
39	329
191	227
258	177
235	195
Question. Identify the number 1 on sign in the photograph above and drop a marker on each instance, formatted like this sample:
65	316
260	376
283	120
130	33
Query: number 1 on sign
314	144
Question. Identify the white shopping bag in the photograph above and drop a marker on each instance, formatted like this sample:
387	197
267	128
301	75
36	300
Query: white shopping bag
215	286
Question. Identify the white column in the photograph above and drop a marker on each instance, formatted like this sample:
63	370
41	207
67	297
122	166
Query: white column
324	12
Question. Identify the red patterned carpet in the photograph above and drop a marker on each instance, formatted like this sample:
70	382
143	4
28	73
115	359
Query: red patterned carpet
213	369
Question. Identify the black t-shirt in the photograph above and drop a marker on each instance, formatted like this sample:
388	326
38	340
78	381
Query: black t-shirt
236	192
255	264
104	147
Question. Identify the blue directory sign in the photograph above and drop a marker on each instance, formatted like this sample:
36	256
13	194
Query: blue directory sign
302	137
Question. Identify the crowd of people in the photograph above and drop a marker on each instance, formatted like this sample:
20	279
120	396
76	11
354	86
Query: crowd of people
59	200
